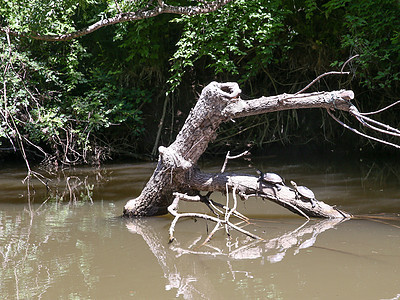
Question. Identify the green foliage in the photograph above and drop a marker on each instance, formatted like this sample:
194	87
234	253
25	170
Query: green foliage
373	32
280	46
70	97
61	96
44	17
239	39
244	37
369	28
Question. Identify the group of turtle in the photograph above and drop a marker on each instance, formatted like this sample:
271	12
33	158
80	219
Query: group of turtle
302	192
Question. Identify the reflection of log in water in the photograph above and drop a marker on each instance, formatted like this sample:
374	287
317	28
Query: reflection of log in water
190	278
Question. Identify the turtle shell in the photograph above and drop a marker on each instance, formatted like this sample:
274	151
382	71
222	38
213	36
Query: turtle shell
271	177
305	192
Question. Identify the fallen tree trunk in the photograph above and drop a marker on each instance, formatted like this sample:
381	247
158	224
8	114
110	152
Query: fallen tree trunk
176	170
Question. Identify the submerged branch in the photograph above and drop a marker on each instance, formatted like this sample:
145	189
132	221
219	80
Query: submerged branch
173	210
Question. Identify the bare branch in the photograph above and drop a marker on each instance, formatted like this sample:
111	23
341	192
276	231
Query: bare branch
380	110
238	108
328	73
354	111
228	157
319	77
173	210
362	134
248	186
132	16
366	124
218	103
347	61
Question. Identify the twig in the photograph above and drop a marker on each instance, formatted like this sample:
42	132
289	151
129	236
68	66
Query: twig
227	209
117	6
229	212
347	61
362	134
380	110
319	77
160	126
228	157
354	111
326	74
211	233
366	124
236	213
173	210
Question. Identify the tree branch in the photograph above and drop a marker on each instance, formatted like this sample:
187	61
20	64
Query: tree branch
239	108
131	16
249	186
221	102
328	73
173	210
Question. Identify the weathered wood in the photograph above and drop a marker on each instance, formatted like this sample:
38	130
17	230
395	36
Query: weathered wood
220	102
248	185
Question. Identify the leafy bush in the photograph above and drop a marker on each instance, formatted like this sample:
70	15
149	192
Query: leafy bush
67	98
57	97
239	39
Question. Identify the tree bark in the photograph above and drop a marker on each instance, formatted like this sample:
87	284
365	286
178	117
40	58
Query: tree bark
176	170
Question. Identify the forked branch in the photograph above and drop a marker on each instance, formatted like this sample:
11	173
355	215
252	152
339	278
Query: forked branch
366	122
225	221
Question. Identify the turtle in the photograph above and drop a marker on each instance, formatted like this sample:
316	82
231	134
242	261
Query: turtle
271	178
305	193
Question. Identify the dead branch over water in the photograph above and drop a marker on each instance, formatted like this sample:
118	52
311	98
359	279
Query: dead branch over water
220	102
177	177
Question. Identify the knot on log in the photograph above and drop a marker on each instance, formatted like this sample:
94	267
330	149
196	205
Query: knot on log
173	159
228	90
346	95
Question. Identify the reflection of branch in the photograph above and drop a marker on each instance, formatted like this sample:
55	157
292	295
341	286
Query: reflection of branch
175	271
296	239
191	284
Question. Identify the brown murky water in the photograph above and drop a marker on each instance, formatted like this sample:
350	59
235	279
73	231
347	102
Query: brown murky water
85	251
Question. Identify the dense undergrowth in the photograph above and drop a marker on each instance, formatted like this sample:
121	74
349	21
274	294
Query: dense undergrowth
103	95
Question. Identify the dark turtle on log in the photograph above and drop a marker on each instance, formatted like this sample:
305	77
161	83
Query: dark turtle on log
271	178
305	193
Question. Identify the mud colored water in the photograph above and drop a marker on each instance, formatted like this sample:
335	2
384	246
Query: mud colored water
84	250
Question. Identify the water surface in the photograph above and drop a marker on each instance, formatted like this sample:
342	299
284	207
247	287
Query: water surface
84	250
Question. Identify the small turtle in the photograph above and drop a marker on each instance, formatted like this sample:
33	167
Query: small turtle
271	178
305	193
